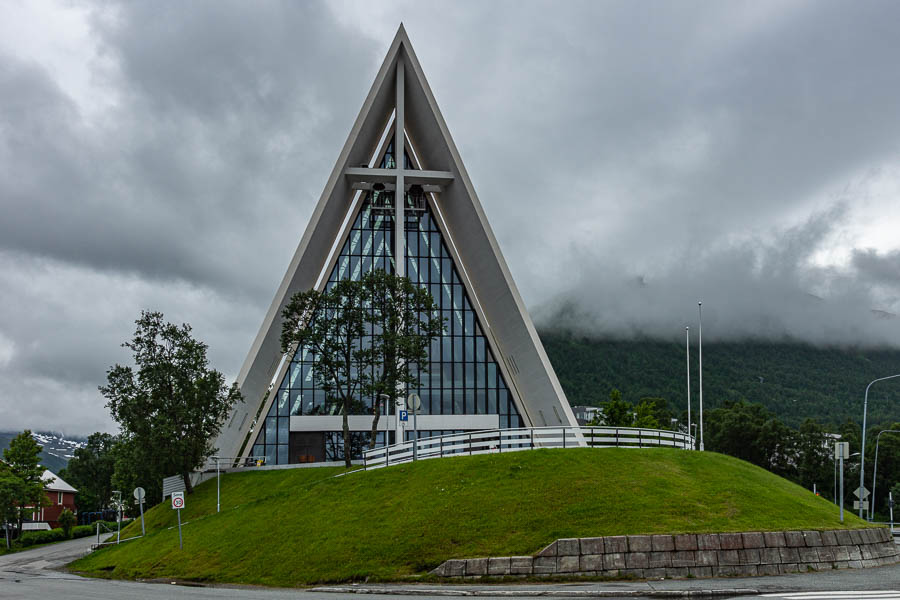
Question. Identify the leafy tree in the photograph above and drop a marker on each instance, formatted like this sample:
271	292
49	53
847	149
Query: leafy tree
366	335
171	404
404	320
67	522
23	458
653	413
851	432
331	324
644	415
91	471
814	458
617	412
11	491
132	469
750	432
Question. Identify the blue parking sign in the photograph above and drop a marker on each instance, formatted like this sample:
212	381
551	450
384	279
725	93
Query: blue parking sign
404	415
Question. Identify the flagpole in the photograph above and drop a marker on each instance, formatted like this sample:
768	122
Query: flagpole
687	350
700	336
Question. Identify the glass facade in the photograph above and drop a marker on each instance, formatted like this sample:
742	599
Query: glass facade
461	376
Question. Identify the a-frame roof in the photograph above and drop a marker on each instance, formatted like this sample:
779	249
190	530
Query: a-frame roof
527	369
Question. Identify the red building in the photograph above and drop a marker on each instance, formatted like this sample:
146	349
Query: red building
61	495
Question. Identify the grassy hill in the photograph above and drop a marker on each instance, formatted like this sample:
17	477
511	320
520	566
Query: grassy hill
795	381
304	526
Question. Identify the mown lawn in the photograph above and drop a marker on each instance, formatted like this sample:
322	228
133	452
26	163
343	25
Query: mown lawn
298	527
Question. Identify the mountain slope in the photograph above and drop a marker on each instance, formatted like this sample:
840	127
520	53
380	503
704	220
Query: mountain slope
793	380
57	447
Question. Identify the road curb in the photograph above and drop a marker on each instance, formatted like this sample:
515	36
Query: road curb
700	593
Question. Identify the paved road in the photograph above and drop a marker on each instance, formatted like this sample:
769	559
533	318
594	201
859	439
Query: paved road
35	575
46	558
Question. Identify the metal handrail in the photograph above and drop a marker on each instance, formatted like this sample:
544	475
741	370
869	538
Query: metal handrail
490	441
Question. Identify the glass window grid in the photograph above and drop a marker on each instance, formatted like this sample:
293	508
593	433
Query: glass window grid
389	162
461	375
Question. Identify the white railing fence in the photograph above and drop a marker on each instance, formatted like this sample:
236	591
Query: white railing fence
497	441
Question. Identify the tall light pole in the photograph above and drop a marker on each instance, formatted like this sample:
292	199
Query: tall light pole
875	473
687	352
862	448
700	339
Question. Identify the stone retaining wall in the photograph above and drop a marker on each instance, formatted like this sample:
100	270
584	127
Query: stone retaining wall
691	555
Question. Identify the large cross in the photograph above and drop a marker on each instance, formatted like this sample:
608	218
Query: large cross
399	177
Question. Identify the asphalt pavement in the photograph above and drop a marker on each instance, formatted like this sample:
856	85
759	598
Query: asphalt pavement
39	574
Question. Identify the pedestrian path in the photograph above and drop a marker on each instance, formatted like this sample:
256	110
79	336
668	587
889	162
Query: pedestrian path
837	595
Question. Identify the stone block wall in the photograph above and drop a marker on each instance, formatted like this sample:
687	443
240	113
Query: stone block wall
691	555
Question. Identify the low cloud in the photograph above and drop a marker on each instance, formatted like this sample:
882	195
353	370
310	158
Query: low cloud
753	289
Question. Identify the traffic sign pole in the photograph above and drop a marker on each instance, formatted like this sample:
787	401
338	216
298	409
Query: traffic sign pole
139	494
839	451
841	468
891	506
842	451
178	504
414	403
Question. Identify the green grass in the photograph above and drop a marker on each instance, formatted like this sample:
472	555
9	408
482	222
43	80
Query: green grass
297	527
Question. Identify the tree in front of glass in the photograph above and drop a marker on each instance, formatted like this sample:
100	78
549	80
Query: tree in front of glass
369	336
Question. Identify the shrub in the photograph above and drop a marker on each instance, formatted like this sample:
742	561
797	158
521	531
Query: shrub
32	538
67	522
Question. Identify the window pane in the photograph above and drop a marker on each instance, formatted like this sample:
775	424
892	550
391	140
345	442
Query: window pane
283	429
271	430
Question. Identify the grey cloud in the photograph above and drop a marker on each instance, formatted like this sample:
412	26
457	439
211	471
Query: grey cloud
880	268
632	158
217	132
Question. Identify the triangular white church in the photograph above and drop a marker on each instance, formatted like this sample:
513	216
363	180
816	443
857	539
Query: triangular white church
489	370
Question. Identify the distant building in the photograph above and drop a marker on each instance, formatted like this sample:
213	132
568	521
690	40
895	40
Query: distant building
60	495
586	414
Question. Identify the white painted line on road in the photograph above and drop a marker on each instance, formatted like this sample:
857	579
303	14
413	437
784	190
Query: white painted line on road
837	595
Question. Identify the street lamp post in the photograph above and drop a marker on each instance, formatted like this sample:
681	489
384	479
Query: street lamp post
862	447
700	340
218	486
875	473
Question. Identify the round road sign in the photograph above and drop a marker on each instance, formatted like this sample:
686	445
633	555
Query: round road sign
139	494
414	403
177	502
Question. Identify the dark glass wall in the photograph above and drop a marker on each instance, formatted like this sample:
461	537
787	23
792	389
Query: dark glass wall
461	376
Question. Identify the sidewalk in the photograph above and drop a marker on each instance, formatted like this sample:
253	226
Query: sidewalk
879	578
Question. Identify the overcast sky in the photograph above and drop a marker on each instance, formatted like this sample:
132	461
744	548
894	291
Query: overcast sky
632	158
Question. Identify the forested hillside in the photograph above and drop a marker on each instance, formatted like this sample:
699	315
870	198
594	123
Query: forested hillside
795	381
